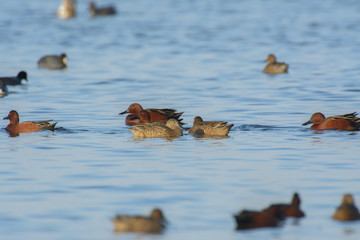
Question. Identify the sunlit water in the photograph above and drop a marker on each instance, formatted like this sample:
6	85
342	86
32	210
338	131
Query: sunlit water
203	58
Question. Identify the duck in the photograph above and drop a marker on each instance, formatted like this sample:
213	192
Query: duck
248	219
218	128
155	114
144	117
25	127
67	9
155	223
17	80
274	67
347	211
101	11
53	61
282	210
171	129
347	122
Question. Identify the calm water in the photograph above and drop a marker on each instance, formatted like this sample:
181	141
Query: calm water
201	57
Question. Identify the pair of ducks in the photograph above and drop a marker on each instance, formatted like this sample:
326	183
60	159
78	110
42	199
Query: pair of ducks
167	123
67	10
271	216
59	62
173	129
11	81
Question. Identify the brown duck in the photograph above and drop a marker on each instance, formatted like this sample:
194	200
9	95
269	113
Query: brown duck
154	223
247	219
282	210
171	129
341	122
211	128
155	114
25	127
274	67
347	211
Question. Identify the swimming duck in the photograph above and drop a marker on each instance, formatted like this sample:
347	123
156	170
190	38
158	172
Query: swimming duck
274	67
10	81
155	114
155	223
219	128
282	210
171	129
144	117
347	211
25	127
53	61
248	219
101	11
342	122
67	9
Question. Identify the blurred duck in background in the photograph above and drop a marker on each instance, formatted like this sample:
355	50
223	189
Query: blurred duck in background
248	219
67	9
101	11
53	61
274	67
283	210
347	211
155	223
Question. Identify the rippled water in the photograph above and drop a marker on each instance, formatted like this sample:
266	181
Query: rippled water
201	57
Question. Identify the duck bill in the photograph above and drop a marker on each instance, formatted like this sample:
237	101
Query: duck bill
126	111
307	123
6	118
134	117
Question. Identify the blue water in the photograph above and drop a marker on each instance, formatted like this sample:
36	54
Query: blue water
203	58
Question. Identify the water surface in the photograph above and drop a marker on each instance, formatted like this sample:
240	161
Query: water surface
203	58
